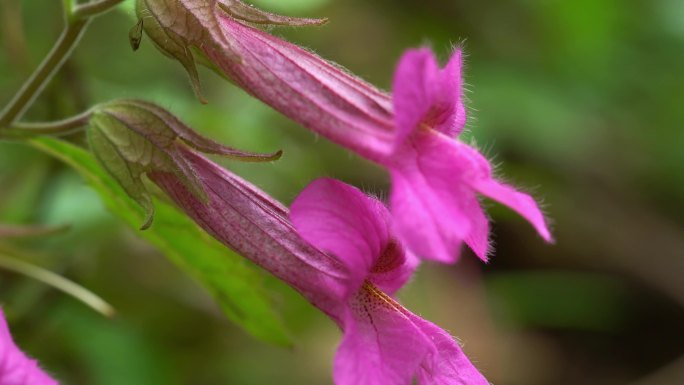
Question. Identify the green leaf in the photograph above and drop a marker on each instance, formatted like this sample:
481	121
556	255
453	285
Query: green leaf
237	285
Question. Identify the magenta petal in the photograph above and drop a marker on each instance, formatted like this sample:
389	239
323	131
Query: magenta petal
343	221
393	269
384	343
478	237
434	205
412	96
426	199
522	203
426	231
381	345
422	93
448	365
15	367
451	117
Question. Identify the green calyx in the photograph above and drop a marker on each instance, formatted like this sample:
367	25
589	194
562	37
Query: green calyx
131	138
241	11
184	29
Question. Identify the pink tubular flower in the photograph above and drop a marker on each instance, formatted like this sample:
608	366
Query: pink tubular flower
384	344
435	178
256	226
15	367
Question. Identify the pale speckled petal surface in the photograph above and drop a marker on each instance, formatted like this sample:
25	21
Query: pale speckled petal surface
15	367
381	346
385	344
447	365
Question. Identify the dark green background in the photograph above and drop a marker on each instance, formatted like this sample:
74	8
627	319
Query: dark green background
580	102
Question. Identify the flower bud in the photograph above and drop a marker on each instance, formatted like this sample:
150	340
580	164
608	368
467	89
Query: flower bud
131	138
182	29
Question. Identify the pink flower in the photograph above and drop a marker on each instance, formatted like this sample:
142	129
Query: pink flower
435	178
383	343
256	226
15	367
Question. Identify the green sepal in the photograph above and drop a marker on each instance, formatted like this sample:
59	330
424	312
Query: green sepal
165	130
241	11
131	138
170	44
182	29
126	157
135	35
244	292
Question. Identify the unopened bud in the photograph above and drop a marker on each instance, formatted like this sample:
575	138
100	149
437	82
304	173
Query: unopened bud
185	29
131	138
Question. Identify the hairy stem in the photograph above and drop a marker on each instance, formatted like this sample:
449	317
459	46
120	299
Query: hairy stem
35	84
38	273
94	8
77	18
56	128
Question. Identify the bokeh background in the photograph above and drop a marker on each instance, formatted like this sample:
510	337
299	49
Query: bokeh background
580	102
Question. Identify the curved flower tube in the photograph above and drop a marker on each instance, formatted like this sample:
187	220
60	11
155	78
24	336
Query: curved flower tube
132	139
250	222
383	344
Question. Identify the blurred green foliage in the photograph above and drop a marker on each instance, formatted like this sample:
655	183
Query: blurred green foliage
235	284
578	98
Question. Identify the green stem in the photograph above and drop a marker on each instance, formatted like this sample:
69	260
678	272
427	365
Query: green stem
77	18
57	128
94	8
35	84
58	282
